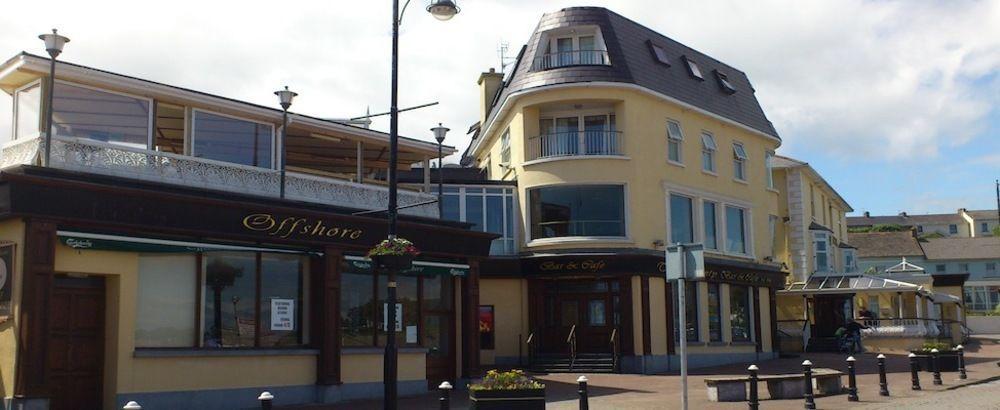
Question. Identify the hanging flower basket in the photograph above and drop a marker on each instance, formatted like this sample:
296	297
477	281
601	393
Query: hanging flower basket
395	254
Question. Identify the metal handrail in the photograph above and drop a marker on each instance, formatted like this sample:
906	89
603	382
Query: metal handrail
531	349
570	58
571	339
576	143
614	349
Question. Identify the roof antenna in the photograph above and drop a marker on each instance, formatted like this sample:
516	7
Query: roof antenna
502	53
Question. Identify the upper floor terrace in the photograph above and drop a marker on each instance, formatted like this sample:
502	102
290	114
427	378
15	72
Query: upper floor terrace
114	125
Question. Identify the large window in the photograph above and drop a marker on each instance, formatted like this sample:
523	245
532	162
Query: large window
708	149
981	298
952	229
690	311
736	230
681	219
577	210
234	140
489	209
252	300
710	217
84	112
424	302
714	313
675	139
27	106
740	317
821	250
249	300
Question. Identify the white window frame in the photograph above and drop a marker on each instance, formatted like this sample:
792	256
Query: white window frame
772	226
275	149
507	191
149	121
718	218
708	149
739	162
721	202
694	219
526	222
676	140
823	237
41	100
769	167
505	147
850	260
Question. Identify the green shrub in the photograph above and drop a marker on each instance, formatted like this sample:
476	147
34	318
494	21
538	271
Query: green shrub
509	380
888	228
941	346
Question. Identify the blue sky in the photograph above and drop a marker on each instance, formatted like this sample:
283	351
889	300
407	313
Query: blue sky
895	102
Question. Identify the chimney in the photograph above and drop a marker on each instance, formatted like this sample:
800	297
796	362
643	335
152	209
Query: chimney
868	214
903	214
489	85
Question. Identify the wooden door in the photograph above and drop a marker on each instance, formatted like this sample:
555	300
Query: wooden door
76	343
437	330
594	331
831	312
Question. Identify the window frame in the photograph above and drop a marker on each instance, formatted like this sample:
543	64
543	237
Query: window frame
507	192
275	149
675	141
769	168
659	53
821	237
739	162
952	229
709	148
692	220
505	147
150	121
14	122
850	260
693	69
751	335
708	311
530	241
721	202
724	83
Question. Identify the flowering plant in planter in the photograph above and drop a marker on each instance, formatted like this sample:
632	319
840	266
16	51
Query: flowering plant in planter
393	253
509	380
510	390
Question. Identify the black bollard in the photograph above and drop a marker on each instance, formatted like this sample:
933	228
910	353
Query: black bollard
582	381
445	389
265	400
883	385
961	362
852	381
808	384
754	402
936	364
914	373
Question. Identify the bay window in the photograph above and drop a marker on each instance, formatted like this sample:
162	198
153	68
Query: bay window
736	230
577	210
88	113
489	209
229	139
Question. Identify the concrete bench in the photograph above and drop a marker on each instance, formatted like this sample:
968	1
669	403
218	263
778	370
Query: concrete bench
780	386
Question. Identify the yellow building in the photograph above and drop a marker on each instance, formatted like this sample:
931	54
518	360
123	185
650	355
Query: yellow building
619	140
154	254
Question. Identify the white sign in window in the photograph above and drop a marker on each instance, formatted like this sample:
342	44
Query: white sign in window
282	314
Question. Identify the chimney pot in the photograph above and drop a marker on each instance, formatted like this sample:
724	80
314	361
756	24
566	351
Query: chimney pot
868	214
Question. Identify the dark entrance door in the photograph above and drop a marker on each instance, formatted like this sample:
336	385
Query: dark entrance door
76	343
591	305
831	312
438	336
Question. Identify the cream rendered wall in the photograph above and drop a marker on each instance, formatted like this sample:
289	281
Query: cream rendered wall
637	315
764	296
510	308
642	119
658	316
11	231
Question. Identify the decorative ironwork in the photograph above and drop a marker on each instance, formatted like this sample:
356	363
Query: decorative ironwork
570	58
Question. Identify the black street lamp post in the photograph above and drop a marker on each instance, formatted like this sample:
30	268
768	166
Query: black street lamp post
439	133
54	44
442	10
285	97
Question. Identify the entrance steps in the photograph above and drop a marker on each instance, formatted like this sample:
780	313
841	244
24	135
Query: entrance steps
584	363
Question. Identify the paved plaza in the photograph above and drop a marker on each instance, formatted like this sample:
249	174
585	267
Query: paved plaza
635	392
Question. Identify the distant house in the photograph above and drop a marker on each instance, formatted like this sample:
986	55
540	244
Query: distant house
962	223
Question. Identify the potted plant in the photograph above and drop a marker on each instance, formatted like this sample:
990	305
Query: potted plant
507	390
393	254
948	361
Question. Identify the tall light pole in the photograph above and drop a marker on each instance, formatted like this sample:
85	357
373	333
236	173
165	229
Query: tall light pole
439	133
285	97
442	10
54	44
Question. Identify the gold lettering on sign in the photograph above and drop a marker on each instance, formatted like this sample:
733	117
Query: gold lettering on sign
587	265
739	277
292	225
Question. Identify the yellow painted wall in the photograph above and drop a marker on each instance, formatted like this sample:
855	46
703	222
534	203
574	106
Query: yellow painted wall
12	231
510	301
764	297
637	315
368	367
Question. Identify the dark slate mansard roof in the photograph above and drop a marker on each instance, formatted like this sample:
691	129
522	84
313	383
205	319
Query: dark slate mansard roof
632	62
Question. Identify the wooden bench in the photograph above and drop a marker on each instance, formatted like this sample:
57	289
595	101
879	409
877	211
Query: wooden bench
779	386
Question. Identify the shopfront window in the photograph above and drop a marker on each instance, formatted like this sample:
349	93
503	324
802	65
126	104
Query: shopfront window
714	313
233	140
406	303
489	209
577	210
168	288
357	309
84	112
690	311
739	313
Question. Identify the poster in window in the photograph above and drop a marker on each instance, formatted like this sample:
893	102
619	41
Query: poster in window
283	314
486	327
6	278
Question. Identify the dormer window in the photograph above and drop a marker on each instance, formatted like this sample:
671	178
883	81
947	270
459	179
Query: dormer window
658	53
571	46
724	83
692	68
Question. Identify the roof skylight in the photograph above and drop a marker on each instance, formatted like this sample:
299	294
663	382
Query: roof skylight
693	68
724	83
659	53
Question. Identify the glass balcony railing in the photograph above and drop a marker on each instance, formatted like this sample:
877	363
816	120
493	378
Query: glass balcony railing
570	58
576	143
96	157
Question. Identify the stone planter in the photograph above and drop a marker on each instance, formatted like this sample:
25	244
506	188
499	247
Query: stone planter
948	361
525	399
396	263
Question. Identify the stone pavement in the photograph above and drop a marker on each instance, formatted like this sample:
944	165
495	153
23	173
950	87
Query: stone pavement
637	392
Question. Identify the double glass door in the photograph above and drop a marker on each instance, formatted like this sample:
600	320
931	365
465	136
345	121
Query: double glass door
589	305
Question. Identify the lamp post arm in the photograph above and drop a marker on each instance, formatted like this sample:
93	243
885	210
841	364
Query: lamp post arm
399	18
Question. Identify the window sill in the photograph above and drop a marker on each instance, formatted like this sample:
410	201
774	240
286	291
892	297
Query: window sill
347	351
578	239
707	172
742	343
741	181
773	190
573	158
221	352
676	164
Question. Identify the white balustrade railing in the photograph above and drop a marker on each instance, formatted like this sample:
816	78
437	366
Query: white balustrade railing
102	158
901	327
574	143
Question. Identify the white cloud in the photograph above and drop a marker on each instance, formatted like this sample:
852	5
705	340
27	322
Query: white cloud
874	79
